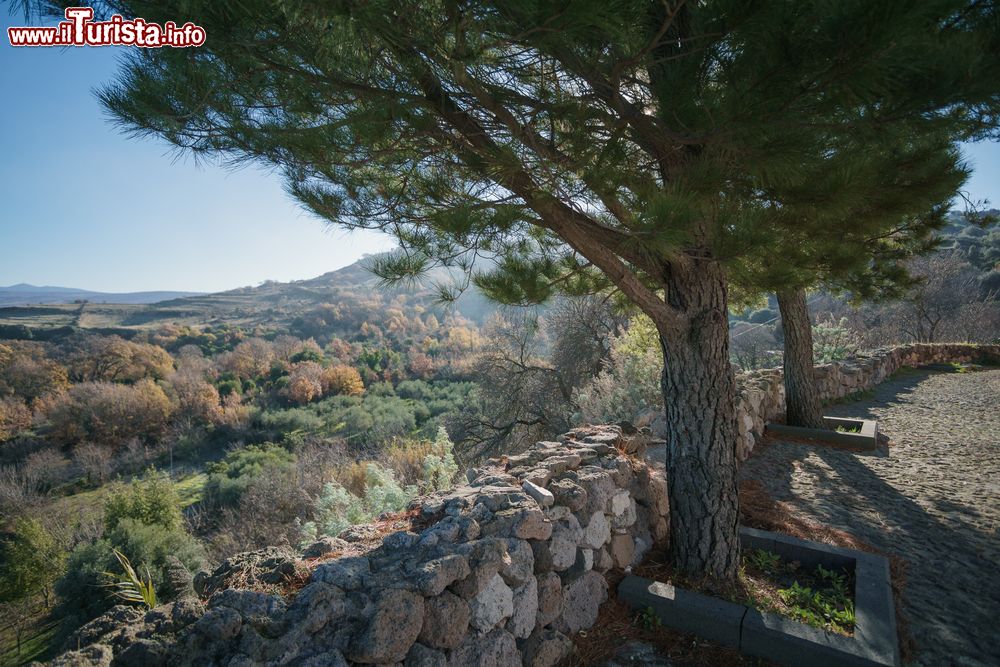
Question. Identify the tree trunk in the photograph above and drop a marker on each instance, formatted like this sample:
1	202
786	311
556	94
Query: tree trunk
802	404
698	391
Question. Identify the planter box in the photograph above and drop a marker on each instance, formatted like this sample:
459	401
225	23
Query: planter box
776	637
863	434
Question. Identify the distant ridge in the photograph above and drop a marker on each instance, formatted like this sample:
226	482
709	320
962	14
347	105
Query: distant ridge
24	294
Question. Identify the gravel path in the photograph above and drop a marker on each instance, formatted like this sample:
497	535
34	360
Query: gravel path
933	498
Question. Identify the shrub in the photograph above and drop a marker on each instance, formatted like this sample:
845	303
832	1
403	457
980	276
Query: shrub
337	508
152	501
15	416
629	385
440	468
83	588
30	561
197	399
229	478
94	461
110	413
341	380
833	341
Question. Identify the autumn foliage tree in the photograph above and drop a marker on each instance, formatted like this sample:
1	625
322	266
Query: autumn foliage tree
341	380
109	413
609	144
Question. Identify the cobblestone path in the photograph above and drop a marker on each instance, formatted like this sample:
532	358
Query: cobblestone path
932	498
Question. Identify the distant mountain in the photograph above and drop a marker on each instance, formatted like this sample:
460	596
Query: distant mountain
23	294
302	307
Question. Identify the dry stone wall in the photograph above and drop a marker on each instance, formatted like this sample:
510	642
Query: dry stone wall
761	394
504	570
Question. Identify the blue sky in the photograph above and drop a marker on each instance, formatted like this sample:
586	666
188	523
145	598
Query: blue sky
83	206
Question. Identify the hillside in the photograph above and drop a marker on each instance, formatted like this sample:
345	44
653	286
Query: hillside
271	305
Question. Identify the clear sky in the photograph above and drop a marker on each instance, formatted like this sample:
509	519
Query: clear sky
83	206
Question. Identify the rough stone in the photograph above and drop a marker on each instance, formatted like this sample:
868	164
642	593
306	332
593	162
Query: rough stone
272	565
622	550
446	621
582	599
525	614
350	573
95	655
486	558
584	561
569	494
599	487
392	630
423	656
546	648
543	556
522	563
317	604
491	605
566	535
497	649
435	575
597	531
550	596
249	604
602	560
542	496
324	546
219	624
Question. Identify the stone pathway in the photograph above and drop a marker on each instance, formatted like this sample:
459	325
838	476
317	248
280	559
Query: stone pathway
932	498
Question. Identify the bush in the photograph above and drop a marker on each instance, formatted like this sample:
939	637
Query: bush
229	478
152	501
833	341
30	560
342	380
83	588
337	508
629	385
110	413
440	468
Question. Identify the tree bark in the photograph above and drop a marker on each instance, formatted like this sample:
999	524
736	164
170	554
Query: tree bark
698	391
802	404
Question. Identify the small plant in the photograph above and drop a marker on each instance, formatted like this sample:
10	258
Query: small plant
848	429
832	609
764	560
647	619
133	588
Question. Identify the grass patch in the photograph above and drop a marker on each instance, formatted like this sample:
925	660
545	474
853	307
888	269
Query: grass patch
39	643
190	489
821	598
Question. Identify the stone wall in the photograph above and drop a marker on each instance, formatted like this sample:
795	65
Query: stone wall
500	571
761	394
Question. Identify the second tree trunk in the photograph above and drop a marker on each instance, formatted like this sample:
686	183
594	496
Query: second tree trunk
802	404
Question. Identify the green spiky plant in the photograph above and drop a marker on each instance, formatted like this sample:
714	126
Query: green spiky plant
132	588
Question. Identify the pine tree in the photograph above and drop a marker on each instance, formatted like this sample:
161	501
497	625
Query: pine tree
577	145
882	205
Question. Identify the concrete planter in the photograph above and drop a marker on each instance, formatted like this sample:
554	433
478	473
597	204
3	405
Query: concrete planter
862	433
776	637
